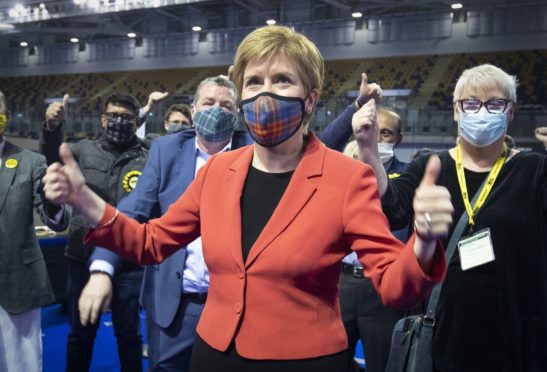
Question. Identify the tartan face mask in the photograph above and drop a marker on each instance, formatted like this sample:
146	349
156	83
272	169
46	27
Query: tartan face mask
272	119
215	124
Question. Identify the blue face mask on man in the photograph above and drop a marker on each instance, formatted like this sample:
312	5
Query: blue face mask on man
482	128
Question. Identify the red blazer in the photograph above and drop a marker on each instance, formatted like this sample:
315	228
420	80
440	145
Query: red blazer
282	303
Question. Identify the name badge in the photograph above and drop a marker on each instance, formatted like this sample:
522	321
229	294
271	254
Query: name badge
476	249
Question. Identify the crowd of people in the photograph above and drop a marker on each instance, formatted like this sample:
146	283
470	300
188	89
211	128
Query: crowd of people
268	249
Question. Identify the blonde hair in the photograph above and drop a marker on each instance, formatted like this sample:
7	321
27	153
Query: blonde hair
484	76
269	41
351	149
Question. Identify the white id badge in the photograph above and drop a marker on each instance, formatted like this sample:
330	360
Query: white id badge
476	249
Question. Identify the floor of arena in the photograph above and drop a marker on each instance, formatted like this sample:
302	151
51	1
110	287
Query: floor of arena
105	359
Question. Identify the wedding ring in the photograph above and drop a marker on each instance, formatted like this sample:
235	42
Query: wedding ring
428	222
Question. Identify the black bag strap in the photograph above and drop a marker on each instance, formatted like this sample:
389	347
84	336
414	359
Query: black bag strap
429	318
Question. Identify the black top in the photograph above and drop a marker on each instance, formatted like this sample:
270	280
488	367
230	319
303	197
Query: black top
261	194
492	317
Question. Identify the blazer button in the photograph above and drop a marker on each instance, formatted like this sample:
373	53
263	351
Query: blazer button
179	275
241	275
237	308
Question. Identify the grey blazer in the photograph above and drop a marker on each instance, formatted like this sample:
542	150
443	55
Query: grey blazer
24	283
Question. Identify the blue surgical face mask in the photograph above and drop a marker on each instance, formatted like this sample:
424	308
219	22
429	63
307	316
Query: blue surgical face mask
482	128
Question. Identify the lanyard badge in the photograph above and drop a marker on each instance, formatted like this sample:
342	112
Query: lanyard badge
476	249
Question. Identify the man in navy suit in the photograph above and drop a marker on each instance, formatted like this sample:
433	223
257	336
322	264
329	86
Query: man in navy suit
364	315
174	292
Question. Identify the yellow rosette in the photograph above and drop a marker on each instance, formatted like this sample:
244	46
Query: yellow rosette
130	180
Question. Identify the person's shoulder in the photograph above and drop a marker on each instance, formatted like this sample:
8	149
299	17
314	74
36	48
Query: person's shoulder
175	138
529	156
527	160
241	138
233	154
23	153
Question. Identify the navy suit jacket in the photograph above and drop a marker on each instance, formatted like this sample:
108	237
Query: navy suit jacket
168	172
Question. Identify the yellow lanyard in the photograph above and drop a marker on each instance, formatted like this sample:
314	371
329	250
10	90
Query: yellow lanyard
472	212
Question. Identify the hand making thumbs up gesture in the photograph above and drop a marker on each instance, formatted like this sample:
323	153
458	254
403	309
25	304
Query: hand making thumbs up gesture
432	206
55	113
65	184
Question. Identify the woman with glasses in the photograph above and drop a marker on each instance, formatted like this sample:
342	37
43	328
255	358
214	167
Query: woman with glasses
492	312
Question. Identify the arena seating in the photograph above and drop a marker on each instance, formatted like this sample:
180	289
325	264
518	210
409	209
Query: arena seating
430	79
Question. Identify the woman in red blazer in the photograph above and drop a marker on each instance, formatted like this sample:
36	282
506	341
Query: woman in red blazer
276	219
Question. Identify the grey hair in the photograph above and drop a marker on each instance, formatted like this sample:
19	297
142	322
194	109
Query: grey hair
392	114
221	81
3	104
486	74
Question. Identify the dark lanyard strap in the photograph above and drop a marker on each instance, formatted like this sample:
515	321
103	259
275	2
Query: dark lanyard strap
454	239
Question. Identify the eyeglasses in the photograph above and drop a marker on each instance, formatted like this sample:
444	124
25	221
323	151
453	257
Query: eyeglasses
493	106
116	115
177	122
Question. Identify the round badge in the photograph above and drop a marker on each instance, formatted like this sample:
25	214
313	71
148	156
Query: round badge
130	180
12	163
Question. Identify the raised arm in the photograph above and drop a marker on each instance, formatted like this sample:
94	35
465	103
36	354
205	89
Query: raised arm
336	134
141	243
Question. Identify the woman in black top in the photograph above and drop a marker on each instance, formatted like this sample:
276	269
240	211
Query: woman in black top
492	313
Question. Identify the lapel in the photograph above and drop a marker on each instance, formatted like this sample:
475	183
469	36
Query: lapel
234	181
7	174
299	191
186	161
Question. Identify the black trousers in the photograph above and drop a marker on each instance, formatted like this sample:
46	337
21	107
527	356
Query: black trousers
367	319
207	359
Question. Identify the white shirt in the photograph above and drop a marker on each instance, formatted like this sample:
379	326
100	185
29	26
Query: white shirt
195	277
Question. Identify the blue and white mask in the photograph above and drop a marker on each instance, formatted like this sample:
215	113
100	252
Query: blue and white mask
482	128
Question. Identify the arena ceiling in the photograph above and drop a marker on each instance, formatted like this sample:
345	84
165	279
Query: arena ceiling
46	22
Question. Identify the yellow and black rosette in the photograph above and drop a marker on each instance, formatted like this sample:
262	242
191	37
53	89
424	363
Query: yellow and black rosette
130	180
12	163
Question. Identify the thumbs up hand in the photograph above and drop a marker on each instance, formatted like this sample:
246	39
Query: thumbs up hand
55	113
368	90
365	125
64	183
432	206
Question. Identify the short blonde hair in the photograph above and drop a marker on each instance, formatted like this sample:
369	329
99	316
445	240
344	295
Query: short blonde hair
483	76
269	41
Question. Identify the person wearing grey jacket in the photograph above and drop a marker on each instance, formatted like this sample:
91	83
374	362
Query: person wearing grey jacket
24	280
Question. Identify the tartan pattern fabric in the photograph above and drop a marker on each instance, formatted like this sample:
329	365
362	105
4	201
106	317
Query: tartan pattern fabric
215	124
272	119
